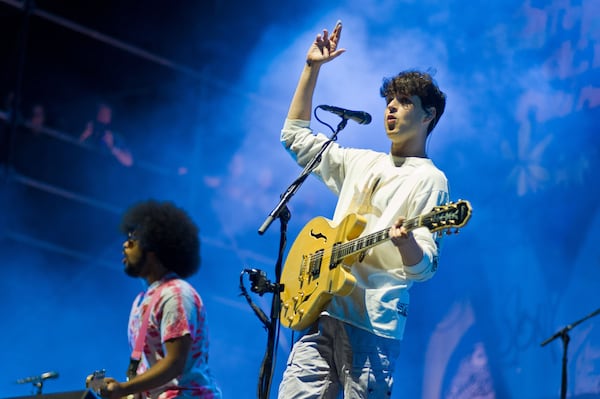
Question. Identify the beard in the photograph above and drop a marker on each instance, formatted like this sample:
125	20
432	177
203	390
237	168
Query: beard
134	269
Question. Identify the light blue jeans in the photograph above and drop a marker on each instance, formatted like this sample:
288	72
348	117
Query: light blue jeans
334	358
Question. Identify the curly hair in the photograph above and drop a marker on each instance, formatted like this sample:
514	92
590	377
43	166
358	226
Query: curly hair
166	230
408	83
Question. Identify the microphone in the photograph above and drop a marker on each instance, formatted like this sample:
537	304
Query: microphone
357	116
38	378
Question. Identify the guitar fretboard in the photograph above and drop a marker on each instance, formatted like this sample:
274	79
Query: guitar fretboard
342	250
452	215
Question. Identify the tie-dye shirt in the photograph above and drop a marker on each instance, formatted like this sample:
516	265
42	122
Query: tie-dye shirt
179	311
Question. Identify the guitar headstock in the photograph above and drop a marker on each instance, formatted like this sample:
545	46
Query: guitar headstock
95	381
450	216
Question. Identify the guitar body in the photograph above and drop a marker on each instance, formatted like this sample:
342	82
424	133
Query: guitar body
310	277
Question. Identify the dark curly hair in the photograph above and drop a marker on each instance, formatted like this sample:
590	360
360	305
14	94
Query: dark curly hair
166	230
408	83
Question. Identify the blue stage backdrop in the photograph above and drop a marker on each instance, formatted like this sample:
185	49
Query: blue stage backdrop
519	140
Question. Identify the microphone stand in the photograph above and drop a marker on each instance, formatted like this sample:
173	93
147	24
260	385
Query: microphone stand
564	336
39	385
37	382
282	212
291	190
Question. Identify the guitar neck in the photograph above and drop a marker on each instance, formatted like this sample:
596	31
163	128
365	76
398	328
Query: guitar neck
352	247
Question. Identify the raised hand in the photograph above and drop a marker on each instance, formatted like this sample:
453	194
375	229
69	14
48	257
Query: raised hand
325	46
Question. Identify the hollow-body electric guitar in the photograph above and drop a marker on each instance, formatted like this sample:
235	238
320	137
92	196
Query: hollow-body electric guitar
317	266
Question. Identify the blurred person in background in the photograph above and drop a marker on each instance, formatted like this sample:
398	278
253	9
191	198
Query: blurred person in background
100	134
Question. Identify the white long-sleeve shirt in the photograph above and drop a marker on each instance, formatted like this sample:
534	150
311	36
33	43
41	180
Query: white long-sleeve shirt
369	183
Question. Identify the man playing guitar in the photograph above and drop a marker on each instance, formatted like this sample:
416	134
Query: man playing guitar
167	324
352	346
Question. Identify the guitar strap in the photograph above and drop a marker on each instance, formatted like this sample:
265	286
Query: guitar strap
136	354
